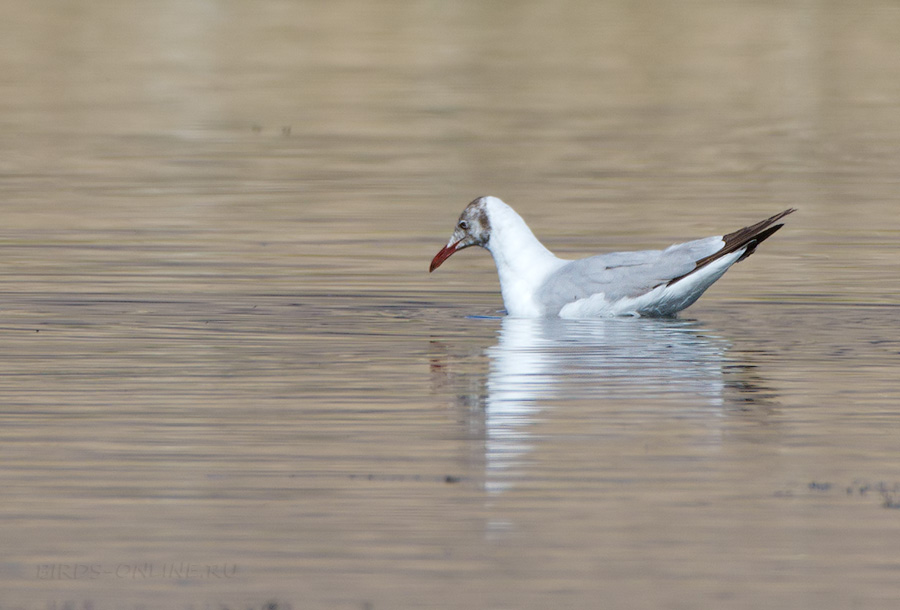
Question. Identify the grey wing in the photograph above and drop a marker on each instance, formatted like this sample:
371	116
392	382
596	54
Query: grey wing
623	274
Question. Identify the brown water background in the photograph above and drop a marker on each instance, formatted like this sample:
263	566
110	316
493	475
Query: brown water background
228	381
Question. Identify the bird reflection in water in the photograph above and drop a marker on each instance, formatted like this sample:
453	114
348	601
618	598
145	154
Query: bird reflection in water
670	368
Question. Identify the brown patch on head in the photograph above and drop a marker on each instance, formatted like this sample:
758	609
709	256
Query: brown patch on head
483	219
471	210
475	214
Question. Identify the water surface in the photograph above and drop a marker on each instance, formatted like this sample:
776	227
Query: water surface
227	379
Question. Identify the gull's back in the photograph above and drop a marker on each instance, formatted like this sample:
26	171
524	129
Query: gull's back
622	275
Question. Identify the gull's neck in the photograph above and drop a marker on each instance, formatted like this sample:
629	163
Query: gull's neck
523	263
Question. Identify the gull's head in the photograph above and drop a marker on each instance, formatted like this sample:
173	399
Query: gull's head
472	229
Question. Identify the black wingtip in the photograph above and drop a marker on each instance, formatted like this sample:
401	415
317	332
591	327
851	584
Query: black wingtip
748	237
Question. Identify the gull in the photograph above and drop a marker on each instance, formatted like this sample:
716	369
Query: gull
656	283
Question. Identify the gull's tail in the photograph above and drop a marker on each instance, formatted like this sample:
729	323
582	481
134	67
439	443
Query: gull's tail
748	237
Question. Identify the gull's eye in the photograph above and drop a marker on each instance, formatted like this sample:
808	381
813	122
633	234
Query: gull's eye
464	225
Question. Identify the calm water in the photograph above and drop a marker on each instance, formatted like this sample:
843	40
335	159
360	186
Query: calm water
228	381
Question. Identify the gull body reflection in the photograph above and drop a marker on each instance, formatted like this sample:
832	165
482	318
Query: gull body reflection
539	362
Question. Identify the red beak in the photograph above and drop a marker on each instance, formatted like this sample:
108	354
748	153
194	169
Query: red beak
445	253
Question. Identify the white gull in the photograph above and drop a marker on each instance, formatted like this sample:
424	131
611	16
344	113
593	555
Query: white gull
536	283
